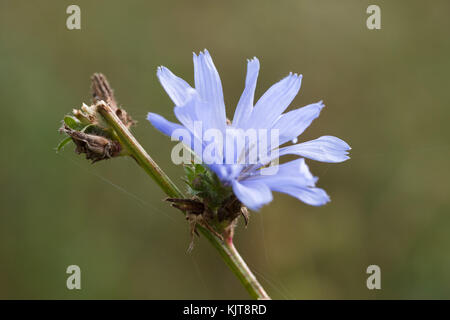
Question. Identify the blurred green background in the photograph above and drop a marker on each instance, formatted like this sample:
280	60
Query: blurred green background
387	94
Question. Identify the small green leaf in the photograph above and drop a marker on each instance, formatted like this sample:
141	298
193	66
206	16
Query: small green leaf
63	143
73	123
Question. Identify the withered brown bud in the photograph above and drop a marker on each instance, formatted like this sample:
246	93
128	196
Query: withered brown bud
230	209
95	147
101	90
187	205
222	224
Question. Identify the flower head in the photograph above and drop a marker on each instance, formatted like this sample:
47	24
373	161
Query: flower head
252	182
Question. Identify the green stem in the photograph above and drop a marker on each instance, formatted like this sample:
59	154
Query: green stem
226	249
237	264
138	153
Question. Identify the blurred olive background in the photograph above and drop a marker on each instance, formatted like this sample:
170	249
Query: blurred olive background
387	94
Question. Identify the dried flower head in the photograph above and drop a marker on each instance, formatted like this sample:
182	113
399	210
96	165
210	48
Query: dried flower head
87	129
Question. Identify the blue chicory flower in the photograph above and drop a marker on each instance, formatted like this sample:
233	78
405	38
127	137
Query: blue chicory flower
252	184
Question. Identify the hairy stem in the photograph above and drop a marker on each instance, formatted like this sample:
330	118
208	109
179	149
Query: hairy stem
138	153
226	249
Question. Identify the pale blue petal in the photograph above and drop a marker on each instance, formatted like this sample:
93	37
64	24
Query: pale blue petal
293	178
252	194
209	87
324	149
176	88
162	124
221	171
186	114
193	115
309	195
274	102
293	173
226	173
245	104
293	123
176	131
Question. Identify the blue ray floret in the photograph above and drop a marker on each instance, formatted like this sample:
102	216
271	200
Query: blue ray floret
252	183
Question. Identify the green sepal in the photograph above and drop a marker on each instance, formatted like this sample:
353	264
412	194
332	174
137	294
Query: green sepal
73	123
204	183
63	143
